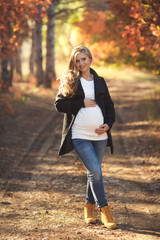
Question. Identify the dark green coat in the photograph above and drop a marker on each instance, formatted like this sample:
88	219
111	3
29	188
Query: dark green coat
71	105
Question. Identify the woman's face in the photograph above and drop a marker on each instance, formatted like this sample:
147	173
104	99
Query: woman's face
83	62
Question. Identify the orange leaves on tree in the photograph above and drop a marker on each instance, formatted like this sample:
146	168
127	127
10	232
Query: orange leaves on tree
93	23
14	23
133	26
139	24
155	30
134	12
94	32
141	49
103	50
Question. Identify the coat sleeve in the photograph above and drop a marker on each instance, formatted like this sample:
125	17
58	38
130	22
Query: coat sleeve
68	104
109	108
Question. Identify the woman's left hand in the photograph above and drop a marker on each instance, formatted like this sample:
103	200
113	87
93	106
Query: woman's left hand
102	129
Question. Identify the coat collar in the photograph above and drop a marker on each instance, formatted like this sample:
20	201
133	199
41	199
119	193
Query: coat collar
98	84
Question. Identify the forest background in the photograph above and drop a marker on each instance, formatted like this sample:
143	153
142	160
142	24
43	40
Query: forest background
36	38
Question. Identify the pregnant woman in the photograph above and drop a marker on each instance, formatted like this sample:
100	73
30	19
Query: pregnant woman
89	114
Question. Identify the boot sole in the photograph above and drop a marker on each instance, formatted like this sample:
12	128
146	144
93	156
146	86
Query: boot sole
90	222
114	227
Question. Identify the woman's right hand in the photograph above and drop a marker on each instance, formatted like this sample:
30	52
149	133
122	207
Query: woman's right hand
89	103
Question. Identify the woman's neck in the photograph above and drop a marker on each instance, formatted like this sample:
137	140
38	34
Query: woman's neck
87	76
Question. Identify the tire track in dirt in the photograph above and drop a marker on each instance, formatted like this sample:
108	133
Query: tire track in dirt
39	142
25	183
46	193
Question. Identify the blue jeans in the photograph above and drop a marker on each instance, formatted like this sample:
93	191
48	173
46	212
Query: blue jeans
91	154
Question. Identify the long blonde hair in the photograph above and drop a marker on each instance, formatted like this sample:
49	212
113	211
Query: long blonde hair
69	81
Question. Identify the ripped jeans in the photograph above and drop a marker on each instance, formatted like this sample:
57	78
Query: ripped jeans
91	154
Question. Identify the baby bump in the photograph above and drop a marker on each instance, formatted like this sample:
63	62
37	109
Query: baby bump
89	118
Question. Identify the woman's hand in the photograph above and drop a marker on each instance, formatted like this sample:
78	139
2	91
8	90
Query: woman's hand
89	103
102	129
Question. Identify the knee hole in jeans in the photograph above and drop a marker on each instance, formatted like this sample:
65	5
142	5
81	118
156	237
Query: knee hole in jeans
94	175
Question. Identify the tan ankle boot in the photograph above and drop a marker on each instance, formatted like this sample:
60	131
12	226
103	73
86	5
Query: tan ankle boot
89	213
107	218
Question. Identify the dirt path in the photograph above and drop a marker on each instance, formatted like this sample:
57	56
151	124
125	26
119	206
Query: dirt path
42	196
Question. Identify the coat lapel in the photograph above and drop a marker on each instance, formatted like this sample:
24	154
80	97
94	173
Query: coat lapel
98	84
80	91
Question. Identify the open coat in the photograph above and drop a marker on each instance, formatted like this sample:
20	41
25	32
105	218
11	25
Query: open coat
71	105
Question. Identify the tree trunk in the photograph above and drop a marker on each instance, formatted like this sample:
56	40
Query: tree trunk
50	66
5	75
18	64
12	67
32	59
39	58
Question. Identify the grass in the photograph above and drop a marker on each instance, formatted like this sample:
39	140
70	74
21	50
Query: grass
124	73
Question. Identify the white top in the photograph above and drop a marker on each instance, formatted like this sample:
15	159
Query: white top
88	118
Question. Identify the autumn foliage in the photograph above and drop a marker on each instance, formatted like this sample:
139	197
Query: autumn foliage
14	23
140	27
118	31
124	28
